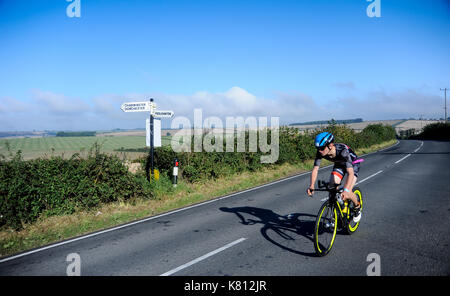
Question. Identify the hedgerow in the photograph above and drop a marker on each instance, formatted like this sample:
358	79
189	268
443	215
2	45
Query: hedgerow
439	131
294	147
55	186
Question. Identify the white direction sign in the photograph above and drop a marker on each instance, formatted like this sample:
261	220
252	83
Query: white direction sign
137	107
161	113
156	132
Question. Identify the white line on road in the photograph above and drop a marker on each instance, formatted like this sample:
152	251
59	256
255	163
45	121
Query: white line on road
373	175
401	159
417	149
170	272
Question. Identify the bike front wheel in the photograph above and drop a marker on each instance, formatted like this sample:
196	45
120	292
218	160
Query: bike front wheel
325	229
352	225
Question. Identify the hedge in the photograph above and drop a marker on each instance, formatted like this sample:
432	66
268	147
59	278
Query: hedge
55	186
294	147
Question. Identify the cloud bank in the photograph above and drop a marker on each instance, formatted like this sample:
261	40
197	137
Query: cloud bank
46	110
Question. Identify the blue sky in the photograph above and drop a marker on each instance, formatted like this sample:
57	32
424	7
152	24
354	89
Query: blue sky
299	60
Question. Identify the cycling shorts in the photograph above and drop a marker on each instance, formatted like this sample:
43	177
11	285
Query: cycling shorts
341	170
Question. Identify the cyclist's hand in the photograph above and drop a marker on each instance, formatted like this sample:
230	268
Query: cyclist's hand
345	195
310	191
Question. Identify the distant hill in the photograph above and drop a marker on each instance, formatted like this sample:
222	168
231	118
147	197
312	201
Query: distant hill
27	134
343	121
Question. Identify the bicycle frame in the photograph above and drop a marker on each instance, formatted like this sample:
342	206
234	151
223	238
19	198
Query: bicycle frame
333	193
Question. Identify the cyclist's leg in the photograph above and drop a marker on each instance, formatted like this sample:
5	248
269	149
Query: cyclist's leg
337	174
354	198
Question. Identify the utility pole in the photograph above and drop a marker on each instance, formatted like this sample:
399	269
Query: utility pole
445	106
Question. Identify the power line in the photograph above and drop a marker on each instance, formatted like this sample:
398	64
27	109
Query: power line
445	105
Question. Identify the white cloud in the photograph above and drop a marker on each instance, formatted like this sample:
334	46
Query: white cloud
57	103
391	105
239	102
48	110
8	104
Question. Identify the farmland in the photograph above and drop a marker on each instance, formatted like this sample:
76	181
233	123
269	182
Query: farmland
33	147
398	124
67	146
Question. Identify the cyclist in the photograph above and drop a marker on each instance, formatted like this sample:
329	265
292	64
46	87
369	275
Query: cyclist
346	162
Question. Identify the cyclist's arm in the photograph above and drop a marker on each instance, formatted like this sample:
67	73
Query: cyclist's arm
313	179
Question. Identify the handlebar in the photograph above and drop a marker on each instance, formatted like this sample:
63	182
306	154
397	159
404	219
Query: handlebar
326	185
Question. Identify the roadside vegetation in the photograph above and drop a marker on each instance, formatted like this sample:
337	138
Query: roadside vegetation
45	200
439	131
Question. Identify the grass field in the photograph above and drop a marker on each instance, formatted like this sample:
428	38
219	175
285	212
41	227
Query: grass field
110	141
67	146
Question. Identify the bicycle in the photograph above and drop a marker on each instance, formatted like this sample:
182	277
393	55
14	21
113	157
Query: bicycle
332	216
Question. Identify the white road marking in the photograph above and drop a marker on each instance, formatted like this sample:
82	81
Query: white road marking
401	159
373	175
417	149
170	272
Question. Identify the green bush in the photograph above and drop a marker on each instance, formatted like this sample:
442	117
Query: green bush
294	147
439	131
55	186
376	133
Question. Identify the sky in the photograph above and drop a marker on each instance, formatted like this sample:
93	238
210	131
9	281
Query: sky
299	60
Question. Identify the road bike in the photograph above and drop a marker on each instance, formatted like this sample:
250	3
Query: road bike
334	214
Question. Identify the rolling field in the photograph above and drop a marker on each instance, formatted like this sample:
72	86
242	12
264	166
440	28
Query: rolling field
67	146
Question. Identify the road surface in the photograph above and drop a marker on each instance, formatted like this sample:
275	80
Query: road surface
269	230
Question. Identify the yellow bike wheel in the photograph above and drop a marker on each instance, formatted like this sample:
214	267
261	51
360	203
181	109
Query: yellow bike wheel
325	229
352	225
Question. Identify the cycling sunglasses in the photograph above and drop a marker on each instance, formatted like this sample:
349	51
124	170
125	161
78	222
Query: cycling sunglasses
321	148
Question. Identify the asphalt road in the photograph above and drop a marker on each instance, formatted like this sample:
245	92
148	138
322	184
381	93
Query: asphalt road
268	230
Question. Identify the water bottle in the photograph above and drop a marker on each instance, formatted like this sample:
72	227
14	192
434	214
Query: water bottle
345	210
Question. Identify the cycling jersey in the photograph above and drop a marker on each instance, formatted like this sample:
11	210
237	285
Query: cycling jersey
345	158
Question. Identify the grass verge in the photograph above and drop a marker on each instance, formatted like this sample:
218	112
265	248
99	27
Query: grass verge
49	230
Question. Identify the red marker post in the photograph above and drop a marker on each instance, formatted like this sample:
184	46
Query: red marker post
175	172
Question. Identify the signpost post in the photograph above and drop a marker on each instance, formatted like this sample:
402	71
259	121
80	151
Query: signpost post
151	108
151	139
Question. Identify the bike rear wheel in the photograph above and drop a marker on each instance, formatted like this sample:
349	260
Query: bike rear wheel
325	229
352	225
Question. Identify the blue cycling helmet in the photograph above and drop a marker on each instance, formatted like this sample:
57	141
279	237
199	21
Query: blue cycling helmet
323	139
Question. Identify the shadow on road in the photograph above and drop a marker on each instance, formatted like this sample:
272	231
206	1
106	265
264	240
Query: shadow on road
293	232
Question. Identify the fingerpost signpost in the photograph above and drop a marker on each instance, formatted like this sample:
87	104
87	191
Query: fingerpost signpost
150	124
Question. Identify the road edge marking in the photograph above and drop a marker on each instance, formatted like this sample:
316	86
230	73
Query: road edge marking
367	178
201	258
